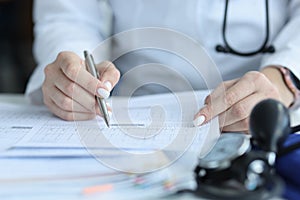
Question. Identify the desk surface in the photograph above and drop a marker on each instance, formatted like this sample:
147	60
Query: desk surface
19	99
12	98
26	164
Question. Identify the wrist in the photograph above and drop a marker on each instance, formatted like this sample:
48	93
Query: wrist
293	84
287	84
274	75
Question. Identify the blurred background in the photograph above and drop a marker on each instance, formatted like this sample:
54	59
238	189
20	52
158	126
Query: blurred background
16	35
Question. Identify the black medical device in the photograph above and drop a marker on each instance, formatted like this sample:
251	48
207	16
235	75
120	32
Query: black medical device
243	167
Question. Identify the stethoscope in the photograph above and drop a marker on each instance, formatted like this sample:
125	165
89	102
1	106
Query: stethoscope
228	49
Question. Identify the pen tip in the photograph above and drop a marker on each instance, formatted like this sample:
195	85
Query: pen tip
106	121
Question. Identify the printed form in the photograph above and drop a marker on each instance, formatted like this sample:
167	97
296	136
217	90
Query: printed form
138	124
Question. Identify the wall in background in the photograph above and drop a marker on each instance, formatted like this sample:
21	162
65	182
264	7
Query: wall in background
16	60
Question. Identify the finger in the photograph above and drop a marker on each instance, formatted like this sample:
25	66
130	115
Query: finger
220	90
74	68
64	102
67	115
204	114
109	74
75	92
238	91
108	107
240	110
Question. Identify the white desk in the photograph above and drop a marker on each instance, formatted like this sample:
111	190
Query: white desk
12	98
53	168
19	99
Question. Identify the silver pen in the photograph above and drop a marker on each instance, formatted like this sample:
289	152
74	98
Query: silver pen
92	69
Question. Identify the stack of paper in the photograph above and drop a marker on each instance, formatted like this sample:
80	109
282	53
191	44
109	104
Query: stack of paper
42	154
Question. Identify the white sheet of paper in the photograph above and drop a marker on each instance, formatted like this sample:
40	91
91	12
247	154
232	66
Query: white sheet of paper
138	124
36	162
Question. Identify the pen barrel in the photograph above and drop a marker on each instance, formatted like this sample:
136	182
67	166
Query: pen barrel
90	64
103	108
92	69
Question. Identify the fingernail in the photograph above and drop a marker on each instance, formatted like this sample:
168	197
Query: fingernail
108	104
103	93
199	120
108	85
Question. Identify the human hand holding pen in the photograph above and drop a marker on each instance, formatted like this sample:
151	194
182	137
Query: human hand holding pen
69	90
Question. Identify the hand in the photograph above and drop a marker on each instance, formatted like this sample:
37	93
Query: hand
234	100
69	89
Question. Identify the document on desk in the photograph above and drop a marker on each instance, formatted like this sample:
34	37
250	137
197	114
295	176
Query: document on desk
17	121
138	124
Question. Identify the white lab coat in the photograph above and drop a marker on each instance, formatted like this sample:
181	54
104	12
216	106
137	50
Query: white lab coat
75	25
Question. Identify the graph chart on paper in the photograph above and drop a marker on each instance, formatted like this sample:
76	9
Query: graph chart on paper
142	122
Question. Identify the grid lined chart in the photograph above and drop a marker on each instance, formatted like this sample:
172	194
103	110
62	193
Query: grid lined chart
55	135
18	121
53	132
146	123
34	126
14	132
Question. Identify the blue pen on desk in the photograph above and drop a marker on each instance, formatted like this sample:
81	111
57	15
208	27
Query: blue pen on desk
101	102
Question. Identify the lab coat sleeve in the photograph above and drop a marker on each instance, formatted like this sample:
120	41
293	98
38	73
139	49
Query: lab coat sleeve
65	25
287	43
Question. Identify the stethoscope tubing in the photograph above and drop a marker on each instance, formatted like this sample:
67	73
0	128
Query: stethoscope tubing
262	49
